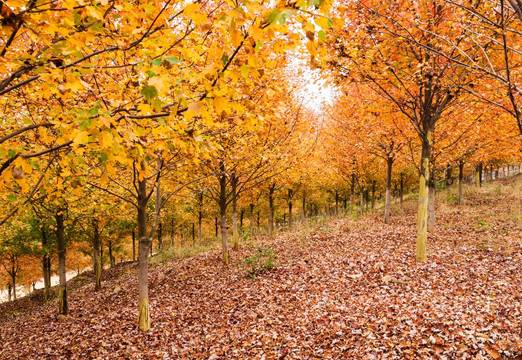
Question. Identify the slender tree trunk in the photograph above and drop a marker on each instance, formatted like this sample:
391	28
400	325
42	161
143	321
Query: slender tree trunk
145	244
479	174
96	256
373	194
133	246
362	201
9	290
235	235
352	194
422	224
111	255
193	234
258	221
46	266
160	236
461	179
336	203
216	226
200	228
387	201
401	188
241	218
448	176
431	204
251	219
60	242
13	278
271	191
223	214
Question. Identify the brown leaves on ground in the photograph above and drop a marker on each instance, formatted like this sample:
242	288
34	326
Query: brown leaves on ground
349	290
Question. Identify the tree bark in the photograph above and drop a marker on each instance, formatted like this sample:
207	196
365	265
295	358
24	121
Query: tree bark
13	276
223	213
352	193
373	194
336	203
143	254
111	254
60	242
422	223
235	235
271	191
461	179
479	174
251	219
46	266
160	236
431	204
200	226
387	201
290	195
361	205
401	188
133	246
96	257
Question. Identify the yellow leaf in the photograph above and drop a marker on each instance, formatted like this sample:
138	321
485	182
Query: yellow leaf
161	83
323	22
107	139
220	104
81	138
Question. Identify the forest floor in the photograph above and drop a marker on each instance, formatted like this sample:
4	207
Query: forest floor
347	289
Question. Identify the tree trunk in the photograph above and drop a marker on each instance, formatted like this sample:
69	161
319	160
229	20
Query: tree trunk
160	236
60	242
258	222
422	223
271	191
96	259
387	201
223	214
235	235
13	277
336	203
9	290
352	193
448	176
373	194
251	219
361	205
241	218
479	174
111	255
431	205
145	244
46	266
461	179
216	226
200	228
133	246
290	195
401	188
193	234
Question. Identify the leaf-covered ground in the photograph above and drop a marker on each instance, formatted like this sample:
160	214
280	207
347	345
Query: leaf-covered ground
346	290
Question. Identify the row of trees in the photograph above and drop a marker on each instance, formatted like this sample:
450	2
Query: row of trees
127	120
